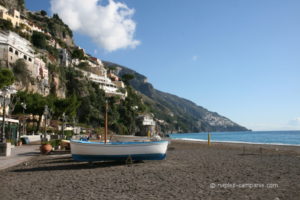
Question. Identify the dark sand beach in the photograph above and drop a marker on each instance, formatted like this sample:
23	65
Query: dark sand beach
192	170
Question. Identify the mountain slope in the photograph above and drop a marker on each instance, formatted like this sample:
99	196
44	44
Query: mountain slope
177	114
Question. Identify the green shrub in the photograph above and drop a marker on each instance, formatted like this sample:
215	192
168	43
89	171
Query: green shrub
38	40
6	25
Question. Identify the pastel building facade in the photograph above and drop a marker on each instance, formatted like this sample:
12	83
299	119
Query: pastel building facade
18	20
13	16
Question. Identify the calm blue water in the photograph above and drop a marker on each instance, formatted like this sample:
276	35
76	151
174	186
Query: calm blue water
258	137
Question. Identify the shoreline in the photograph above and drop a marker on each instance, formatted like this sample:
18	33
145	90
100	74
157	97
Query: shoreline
251	146
234	142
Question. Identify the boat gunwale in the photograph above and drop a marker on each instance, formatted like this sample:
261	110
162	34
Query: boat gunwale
119	143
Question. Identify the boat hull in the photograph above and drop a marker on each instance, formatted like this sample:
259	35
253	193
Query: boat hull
96	151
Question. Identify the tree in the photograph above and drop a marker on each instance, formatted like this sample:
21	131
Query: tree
43	13
84	65
35	105
6	77
68	106
127	77
21	72
57	18
112	69
78	53
6	25
39	40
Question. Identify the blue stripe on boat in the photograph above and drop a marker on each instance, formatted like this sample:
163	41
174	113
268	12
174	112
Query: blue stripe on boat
118	157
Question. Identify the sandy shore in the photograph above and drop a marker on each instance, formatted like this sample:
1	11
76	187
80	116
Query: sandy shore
192	170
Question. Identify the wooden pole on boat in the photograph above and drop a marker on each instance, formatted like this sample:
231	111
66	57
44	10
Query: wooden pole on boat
106	116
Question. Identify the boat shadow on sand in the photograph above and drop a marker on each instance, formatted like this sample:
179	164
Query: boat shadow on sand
67	163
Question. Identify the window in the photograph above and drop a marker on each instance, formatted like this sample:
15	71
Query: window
16	52
25	57
11	49
29	59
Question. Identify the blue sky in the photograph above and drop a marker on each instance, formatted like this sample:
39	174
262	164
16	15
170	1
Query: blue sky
240	58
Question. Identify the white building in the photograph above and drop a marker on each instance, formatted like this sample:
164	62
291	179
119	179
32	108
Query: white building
105	84
65	58
14	47
76	61
148	120
147	125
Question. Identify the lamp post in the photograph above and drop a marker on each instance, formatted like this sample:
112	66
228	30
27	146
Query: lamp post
24	106
63	124
106	121
46	112
5	100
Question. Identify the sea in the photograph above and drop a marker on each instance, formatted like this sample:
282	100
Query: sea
253	137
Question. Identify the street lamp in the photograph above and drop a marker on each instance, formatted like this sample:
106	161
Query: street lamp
5	100
63	124
106	121
46	113
24	106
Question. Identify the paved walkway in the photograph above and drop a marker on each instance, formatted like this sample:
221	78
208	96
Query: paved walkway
19	154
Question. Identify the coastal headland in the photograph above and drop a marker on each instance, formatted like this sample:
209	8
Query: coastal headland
192	170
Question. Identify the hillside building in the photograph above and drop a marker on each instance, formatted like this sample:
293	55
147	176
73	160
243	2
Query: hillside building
10	15
18	20
65	58
147	125
14	47
110	88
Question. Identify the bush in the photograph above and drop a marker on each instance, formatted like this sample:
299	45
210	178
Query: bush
78	53
55	143
68	134
39	40
21	72
6	77
6	25
43	13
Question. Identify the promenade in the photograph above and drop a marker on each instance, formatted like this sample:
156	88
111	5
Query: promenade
19	154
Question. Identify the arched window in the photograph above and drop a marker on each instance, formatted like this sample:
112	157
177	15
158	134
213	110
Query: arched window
11	49
29	59
16	52
25	57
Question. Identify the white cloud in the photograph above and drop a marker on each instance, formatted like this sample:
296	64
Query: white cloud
110	26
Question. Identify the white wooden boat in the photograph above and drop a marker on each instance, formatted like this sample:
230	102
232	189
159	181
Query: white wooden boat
100	151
